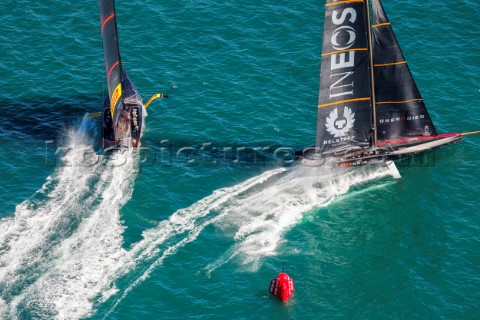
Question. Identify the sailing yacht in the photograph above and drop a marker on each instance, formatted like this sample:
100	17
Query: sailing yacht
123	109
369	109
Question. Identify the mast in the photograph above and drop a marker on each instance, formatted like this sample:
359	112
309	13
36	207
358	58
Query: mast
372	79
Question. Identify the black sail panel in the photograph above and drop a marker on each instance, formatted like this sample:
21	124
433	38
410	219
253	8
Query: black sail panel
344	107
401	111
111	53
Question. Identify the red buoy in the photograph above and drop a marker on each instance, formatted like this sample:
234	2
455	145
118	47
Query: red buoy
282	286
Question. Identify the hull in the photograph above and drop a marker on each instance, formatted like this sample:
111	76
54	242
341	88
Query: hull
128	130
386	151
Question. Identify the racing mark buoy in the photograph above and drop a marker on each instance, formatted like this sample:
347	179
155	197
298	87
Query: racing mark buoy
282	286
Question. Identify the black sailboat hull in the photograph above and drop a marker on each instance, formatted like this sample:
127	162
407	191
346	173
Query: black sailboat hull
127	132
386	151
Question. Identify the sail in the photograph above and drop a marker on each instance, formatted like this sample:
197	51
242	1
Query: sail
401	111
344	107
112	57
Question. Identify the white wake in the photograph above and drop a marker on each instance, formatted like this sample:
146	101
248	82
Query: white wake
258	220
260	210
61	253
63	247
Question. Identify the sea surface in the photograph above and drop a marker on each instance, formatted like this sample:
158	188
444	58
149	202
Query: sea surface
196	224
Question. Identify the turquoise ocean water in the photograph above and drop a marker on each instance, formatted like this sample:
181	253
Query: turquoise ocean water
196	225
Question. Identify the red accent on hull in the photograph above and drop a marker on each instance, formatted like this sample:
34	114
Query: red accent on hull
422	138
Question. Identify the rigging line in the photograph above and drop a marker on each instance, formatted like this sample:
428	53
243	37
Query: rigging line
372	76
360	63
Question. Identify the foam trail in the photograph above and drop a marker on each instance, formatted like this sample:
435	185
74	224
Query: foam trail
184	226
44	220
86	263
262	217
3	308
261	208
61	253
63	248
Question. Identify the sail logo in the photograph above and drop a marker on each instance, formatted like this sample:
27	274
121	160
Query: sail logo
339	125
342	31
115	96
402	118
342	40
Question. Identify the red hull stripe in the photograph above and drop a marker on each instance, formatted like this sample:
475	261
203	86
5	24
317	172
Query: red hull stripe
440	136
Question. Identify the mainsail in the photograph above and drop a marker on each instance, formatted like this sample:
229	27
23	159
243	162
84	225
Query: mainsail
369	109
344	107
112	57
348	114
399	105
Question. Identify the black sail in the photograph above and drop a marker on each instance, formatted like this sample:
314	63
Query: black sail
344	107
400	108
111	53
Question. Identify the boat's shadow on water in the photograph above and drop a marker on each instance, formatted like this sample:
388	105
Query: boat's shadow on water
44	118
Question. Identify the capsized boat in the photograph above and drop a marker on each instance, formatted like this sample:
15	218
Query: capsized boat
370	109
123	109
